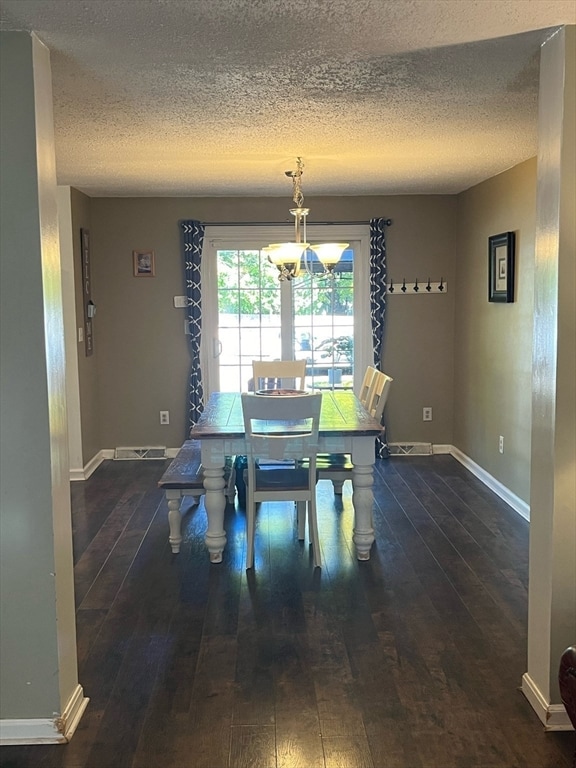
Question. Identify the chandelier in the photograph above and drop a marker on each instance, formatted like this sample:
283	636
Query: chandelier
287	257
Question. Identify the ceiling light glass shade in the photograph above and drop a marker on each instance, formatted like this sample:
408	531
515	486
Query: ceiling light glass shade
285	253
329	254
286	258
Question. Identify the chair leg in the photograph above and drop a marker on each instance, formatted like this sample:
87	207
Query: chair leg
301	519
250	525
313	532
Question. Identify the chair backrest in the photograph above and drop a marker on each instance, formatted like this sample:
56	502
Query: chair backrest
366	384
275	374
378	395
281	427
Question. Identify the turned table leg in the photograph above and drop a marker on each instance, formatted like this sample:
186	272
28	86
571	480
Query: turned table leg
363	499
215	503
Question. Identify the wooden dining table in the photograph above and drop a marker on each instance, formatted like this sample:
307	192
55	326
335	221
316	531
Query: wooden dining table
345	428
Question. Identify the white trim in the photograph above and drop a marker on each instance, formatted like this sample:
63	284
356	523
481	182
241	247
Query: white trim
42	730
77	474
33	731
73	711
71	344
517	504
92	466
553	716
438	448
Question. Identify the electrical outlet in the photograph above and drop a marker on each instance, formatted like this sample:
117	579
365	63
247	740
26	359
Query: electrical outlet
501	444
426	414
164	417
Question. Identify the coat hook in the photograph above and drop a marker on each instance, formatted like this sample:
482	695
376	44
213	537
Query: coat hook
428	287
441	286
403	289
416	289
391	289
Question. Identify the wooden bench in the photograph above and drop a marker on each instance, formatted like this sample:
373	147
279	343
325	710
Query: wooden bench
184	477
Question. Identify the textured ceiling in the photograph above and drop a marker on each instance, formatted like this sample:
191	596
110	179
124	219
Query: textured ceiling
218	97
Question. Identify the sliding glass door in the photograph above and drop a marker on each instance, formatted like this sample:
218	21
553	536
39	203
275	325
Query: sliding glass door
248	314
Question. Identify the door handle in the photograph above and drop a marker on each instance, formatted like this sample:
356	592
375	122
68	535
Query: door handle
216	347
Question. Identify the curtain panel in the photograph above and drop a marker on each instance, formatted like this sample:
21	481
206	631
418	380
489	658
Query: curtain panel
192	233
378	306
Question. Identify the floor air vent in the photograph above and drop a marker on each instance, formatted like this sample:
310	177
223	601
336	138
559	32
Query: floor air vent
143	452
410	449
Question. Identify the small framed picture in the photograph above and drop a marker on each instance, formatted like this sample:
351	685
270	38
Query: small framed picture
501	267
143	263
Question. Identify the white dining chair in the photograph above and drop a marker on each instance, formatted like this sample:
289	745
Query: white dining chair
277	374
281	428
378	394
366	384
338	467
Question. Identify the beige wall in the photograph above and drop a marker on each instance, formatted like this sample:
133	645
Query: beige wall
493	342
141	355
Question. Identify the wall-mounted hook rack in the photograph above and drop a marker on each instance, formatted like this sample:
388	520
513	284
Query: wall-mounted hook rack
430	286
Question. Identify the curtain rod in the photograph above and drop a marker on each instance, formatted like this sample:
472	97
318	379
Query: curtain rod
387	222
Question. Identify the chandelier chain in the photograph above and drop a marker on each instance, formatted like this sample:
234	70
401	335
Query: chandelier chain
297	195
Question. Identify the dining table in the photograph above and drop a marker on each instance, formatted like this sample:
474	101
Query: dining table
345	428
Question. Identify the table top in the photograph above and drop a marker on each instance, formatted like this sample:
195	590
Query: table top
341	414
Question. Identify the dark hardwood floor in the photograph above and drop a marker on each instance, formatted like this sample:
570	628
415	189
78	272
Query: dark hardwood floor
411	660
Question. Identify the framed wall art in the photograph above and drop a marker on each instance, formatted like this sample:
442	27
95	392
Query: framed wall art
501	267
143	264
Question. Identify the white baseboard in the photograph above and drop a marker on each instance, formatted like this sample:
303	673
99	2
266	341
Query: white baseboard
517	504
92	466
84	473
553	716
77	473
44	730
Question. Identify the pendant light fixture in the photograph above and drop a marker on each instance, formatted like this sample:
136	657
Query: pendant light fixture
287	257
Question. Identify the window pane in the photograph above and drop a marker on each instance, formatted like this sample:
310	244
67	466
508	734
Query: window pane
228	272
270	302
